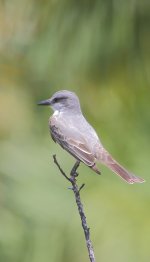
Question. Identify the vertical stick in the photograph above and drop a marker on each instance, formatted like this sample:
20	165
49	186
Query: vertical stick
76	190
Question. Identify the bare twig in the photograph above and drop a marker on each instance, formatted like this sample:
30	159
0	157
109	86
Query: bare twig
76	190
63	173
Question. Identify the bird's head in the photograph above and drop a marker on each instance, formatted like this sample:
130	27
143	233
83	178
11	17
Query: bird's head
63	101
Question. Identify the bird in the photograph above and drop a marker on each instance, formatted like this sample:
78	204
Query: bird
69	128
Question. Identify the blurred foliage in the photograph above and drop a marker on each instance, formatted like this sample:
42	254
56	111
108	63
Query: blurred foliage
99	49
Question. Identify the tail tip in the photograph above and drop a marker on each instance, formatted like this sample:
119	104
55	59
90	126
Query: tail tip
136	180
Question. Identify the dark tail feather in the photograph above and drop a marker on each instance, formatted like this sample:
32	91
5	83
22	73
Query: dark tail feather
124	174
108	161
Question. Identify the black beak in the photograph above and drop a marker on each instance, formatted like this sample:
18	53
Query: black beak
44	102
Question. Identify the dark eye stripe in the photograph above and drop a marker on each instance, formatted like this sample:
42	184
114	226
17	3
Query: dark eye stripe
57	99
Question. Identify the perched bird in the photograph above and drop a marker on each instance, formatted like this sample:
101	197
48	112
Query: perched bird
72	132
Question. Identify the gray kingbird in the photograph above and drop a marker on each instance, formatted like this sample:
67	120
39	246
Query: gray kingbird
72	132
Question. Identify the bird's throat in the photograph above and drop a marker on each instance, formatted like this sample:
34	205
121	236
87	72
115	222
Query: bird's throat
56	113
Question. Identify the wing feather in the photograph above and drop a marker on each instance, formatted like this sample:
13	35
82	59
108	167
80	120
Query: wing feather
77	147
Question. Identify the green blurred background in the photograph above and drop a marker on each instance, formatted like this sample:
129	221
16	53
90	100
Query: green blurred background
101	50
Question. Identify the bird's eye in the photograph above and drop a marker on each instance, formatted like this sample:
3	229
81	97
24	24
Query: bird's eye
55	100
